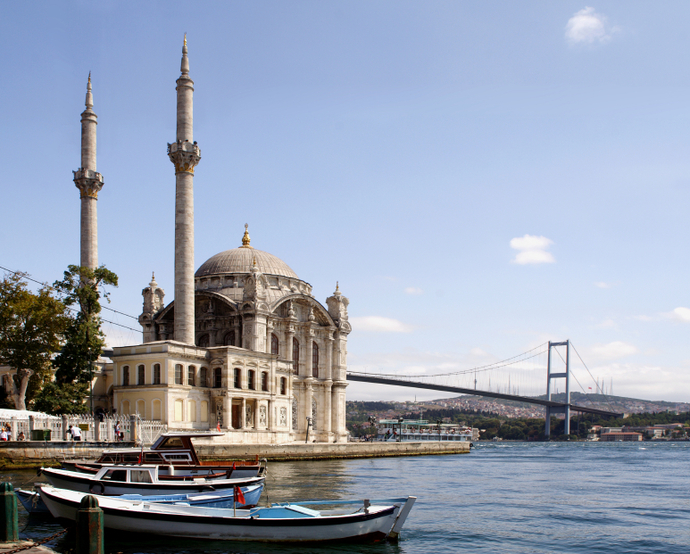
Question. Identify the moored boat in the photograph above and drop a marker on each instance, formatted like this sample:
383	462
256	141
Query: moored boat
138	479
214	499
176	454
33	503
293	522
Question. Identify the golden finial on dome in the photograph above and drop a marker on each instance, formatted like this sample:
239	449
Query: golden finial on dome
245	239
185	39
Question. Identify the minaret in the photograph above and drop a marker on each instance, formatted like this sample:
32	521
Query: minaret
89	182
185	154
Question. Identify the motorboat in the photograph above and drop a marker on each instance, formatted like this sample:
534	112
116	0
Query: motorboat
176	455
31	501
33	504
144	479
288	522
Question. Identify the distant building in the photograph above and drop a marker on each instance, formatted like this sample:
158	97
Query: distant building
620	436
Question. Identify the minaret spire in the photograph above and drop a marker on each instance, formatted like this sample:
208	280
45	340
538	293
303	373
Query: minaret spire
185	155
89	182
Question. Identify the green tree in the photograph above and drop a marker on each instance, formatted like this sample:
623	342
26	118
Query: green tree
32	326
84	340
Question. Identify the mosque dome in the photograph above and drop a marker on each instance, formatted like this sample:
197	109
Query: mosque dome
242	259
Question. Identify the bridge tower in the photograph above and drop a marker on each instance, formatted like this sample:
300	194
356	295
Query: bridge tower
565	409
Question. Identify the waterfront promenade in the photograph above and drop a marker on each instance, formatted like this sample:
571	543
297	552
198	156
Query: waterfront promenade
30	454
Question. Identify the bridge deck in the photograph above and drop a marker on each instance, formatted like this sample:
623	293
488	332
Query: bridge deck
526	399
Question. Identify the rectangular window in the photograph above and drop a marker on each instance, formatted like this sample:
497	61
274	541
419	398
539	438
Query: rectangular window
141	375
250	380
238	378
125	375
157	374
217	378
191	374
203	377
178	374
283	385
264	381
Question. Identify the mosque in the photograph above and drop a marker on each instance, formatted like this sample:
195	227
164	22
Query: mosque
244	347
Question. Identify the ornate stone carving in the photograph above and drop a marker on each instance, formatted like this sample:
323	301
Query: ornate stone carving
88	182
184	155
337	305
282	421
262	416
249	416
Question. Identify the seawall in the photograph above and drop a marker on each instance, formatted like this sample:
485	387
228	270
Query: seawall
33	454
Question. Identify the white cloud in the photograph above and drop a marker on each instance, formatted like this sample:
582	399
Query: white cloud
413	290
532	250
589	27
602	285
681	314
378	324
614	350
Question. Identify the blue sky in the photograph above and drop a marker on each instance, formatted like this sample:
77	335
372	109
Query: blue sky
480	177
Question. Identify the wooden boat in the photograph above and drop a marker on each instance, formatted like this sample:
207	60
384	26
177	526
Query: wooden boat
33	503
176	454
293	522
138	479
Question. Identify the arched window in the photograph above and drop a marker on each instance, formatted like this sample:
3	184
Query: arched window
141	375
203	341
217	378
179	414
125	407
283	385
275	345
264	381
156	374
314	359
203	377
191	375
191	410
178	374
250	379
141	409
238	378
157	410
125	376
295	350
229	339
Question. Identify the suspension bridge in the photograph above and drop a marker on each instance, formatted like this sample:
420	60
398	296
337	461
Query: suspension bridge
519	371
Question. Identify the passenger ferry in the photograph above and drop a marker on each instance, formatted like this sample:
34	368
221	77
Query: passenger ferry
395	430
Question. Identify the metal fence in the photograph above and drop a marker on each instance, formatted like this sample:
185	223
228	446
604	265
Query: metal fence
104	429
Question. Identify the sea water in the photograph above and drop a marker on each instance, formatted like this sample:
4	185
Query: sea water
505	497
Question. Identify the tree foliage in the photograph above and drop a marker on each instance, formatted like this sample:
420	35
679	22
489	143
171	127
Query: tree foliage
84	340
32	326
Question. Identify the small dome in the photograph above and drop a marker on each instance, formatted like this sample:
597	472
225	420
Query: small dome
241	260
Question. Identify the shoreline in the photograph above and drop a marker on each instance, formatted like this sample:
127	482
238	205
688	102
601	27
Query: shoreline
36	454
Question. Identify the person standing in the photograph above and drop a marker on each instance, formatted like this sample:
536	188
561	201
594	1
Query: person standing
76	433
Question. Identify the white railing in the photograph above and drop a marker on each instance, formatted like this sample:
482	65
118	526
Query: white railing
131	428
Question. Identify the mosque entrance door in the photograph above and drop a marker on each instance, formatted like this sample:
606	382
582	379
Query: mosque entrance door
237	416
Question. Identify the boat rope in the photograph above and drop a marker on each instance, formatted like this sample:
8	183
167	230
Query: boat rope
36	543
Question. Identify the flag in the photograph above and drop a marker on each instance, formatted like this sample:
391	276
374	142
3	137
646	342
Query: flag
234	466
218	426
239	495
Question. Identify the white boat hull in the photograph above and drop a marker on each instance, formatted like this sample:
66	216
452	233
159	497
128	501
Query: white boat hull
76	481
220	524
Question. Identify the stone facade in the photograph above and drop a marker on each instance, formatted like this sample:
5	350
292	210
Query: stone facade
244	347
